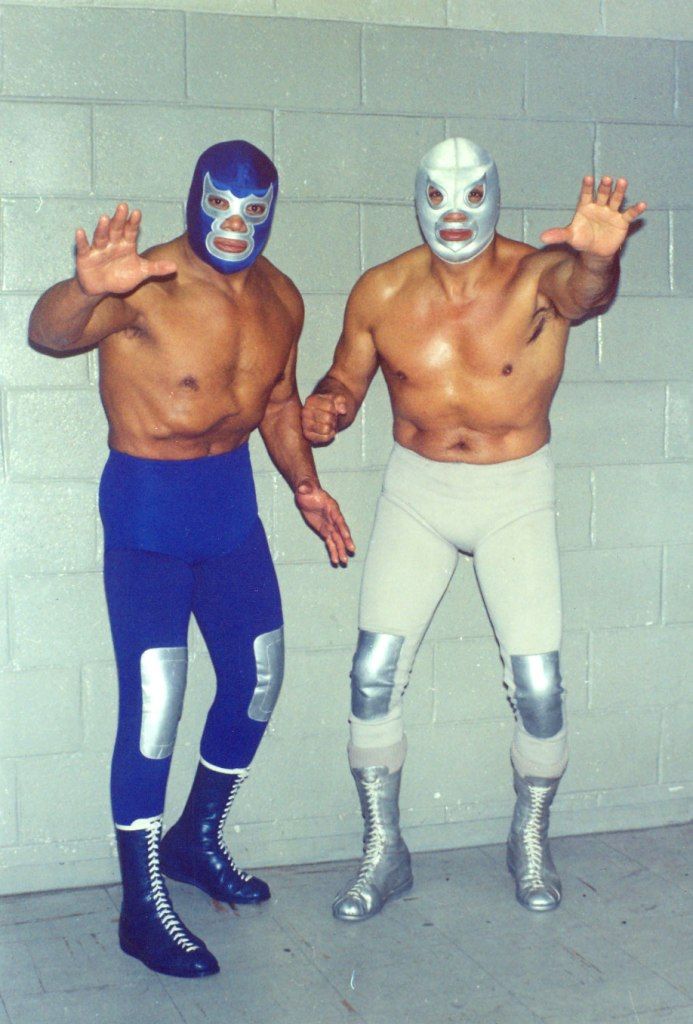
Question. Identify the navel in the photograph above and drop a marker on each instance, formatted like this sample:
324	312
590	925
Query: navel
190	382
400	375
507	369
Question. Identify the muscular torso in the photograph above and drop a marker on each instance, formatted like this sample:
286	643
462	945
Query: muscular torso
193	373
471	375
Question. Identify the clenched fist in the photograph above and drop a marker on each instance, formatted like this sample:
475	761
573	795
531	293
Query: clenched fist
320	416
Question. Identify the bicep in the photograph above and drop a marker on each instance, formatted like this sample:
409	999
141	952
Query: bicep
554	283
110	316
355	358
285	389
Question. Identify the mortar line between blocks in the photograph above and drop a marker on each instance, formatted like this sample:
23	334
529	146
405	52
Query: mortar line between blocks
670	252
186	89
589	681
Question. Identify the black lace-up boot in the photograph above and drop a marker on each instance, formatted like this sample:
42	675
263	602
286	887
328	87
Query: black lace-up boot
194	849
149	928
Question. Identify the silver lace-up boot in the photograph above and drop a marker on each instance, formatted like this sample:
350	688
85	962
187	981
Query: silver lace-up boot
385	871
537	885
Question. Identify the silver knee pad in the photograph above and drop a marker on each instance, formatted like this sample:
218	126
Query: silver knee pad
538	693
163	674
269	667
373	673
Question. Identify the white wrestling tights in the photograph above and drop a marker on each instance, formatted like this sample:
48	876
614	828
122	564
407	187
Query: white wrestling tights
504	515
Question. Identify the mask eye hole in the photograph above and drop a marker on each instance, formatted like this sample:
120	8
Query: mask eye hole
476	194
434	195
217	202
254	210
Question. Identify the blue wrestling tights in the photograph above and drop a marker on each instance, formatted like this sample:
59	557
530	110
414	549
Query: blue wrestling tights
222	573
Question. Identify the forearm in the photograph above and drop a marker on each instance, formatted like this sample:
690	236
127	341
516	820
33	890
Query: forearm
61	315
593	280
287	447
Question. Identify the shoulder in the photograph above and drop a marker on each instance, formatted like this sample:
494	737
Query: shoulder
165	250
386	280
284	289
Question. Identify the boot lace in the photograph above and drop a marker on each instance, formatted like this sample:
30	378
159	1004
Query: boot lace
172	924
375	841
533	834
238	779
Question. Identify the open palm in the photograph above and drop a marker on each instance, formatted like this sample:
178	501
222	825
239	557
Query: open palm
111	263
321	512
599	226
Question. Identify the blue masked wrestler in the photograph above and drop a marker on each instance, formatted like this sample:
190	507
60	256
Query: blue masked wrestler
197	344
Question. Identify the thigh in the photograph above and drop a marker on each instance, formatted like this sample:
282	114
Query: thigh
407	570
149	601
236	599
518	572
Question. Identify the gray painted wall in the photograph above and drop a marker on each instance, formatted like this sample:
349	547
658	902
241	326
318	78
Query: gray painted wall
346	108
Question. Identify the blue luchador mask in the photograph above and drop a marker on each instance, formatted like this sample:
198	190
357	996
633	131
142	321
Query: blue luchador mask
231	205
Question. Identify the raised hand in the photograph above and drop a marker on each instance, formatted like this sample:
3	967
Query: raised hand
599	227
320	415
111	263
322	514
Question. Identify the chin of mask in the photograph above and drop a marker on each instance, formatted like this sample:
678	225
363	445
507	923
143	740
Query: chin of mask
457	199
231	205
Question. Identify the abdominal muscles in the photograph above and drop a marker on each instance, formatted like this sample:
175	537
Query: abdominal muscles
185	417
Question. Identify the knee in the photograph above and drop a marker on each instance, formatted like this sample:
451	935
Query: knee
163	676
538	693
373	674
269	674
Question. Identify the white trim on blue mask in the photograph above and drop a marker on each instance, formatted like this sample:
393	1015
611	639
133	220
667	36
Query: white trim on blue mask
238	206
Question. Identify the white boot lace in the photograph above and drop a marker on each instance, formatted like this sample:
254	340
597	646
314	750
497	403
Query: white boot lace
239	778
172	924
533	834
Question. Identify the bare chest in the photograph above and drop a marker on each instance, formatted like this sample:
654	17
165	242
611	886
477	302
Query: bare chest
445	345
197	340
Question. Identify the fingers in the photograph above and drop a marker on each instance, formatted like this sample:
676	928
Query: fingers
586	190
322	513
611	194
100	238
342	530
338	546
132	226
122	226
159	268
604	191
319	417
333	552
616	197
81	242
554	236
635	211
335	533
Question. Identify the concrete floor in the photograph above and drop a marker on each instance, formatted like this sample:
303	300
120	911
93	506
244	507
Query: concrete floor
456	950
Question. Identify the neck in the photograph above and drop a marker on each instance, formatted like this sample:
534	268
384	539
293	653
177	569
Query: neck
460	279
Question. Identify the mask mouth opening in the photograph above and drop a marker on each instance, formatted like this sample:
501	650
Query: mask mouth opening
229	246
229	242
460	233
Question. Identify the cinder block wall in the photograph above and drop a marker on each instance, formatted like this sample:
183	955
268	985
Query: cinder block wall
346	97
